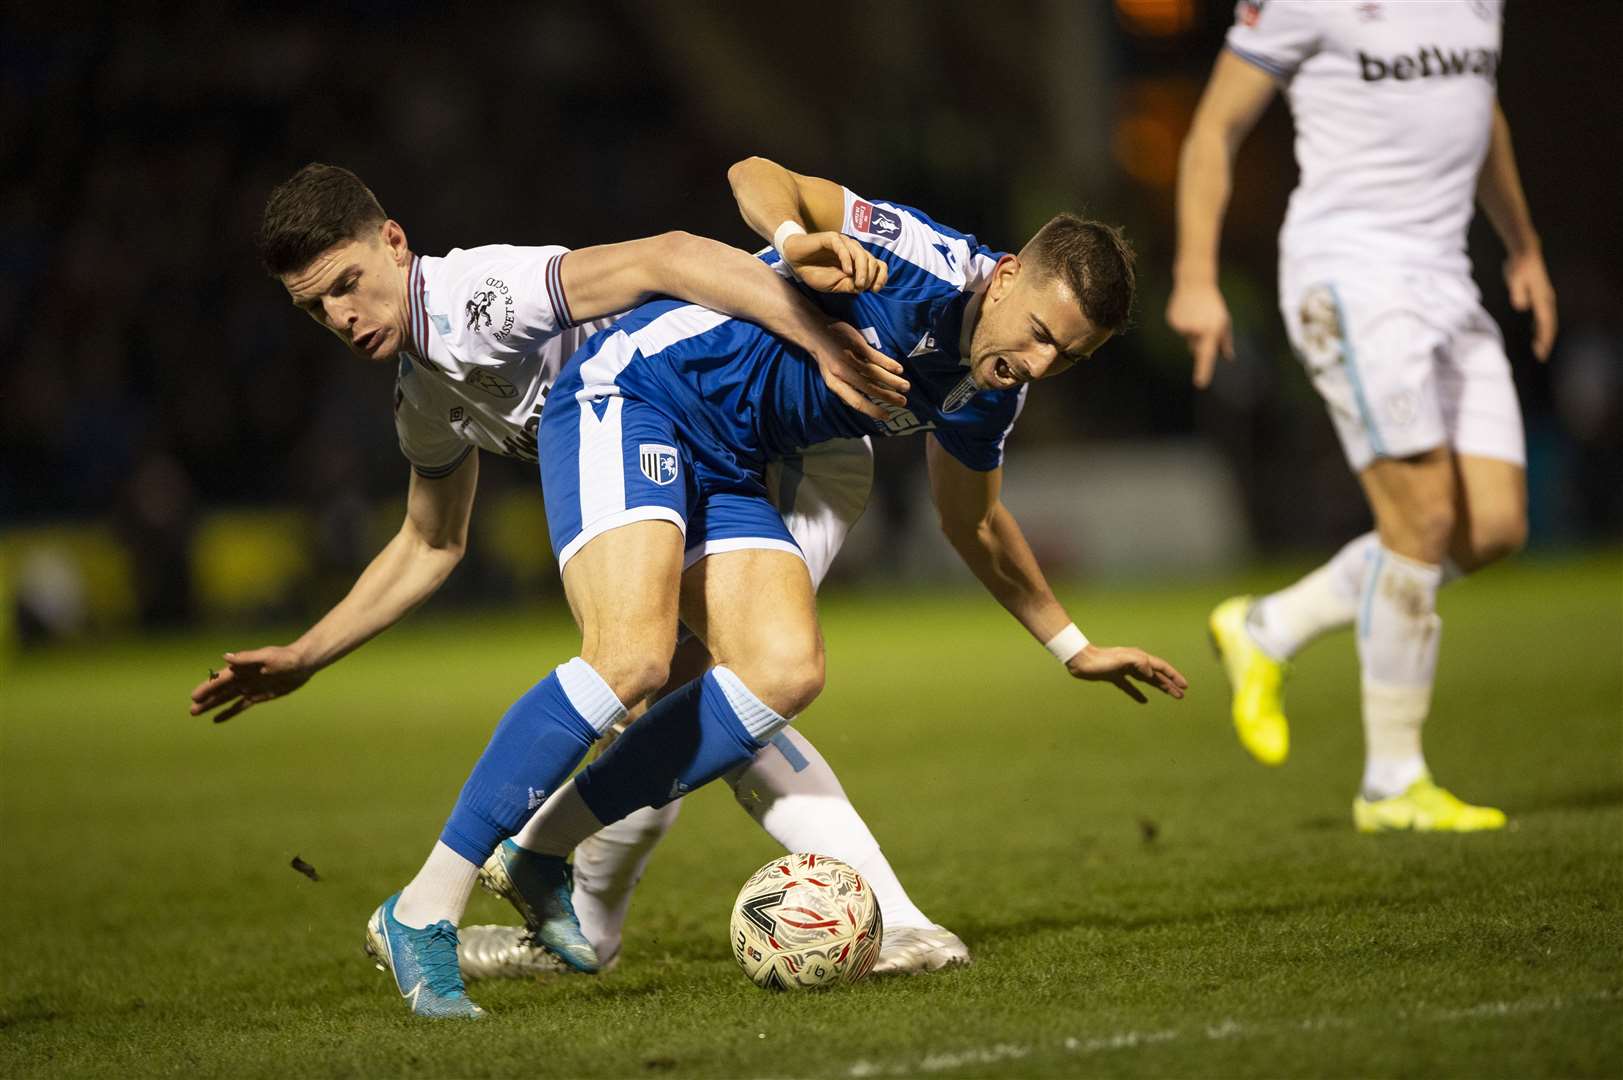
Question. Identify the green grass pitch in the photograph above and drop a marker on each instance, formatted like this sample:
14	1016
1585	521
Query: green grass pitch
1141	898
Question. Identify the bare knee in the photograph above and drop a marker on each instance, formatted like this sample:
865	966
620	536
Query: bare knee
1424	534
633	671
786	676
1491	538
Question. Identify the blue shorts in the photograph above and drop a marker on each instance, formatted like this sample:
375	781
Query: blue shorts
610	461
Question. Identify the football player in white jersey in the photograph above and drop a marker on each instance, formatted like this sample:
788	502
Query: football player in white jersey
1398	131
479	336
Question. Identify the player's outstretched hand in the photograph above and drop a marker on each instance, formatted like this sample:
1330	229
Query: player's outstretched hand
1530	288
834	263
860	375
1198	314
249	678
1123	664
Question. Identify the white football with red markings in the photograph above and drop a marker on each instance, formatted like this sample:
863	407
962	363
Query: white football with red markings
805	921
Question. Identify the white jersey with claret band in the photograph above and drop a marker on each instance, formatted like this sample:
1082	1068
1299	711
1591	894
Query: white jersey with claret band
1393	105
490	330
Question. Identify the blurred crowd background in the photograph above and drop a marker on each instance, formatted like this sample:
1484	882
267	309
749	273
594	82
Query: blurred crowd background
176	442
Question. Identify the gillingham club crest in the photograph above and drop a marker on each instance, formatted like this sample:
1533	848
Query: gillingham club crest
658	462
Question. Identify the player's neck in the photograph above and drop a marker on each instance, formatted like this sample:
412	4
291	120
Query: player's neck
403	283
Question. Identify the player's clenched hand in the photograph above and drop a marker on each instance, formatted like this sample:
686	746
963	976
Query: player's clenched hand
860	375
1198	314
834	263
1529	285
1122	665
249	678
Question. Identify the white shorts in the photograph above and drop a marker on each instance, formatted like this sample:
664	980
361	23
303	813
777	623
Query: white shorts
1406	363
821	493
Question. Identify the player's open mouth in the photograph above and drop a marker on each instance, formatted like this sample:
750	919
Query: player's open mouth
367	340
1004	373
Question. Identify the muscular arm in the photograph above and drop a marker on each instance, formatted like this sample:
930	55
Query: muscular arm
1235	97
611	278
987	537
1499	190
825	258
768	195
406	572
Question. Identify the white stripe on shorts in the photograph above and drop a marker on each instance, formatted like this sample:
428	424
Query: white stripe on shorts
597	375
602	462
615	521
737	543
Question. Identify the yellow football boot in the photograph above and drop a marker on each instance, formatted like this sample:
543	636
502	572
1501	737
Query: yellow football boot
1255	678
1424	807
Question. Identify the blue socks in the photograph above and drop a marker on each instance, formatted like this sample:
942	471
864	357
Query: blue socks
707	728
537	744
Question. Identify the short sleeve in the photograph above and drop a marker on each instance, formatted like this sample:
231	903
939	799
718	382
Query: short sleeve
508	298
979	446
1274	35
428	442
916	249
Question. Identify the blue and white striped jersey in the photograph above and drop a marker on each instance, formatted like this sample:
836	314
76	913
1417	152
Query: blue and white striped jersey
741	396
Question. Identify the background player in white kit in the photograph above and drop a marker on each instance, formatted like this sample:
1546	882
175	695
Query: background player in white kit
1397	128
480	336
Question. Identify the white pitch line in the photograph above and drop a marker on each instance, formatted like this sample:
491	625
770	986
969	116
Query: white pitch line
1224	1029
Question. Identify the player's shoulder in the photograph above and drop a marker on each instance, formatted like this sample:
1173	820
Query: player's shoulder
917	241
488	265
498	296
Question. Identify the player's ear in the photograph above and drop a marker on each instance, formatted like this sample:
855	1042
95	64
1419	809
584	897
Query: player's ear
394	238
1004	276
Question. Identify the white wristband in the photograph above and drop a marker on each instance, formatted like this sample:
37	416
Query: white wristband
785	231
1066	644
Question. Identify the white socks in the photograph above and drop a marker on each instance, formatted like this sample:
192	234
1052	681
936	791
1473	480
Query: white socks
1284	622
1398	638
793	793
439	891
559	825
607	868
789	789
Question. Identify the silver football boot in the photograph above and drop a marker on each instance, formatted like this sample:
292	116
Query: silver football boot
913	950
503	952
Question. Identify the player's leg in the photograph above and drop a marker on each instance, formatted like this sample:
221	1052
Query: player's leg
1373	363
1484	509
754	605
1483	421
1419	514
1399	632
1492	500
617	491
1485	427
609	863
788	788
616	526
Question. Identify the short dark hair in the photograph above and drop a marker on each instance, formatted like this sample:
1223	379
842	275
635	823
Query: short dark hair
1095	260
314	209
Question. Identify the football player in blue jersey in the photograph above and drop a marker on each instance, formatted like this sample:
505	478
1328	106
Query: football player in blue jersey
653	450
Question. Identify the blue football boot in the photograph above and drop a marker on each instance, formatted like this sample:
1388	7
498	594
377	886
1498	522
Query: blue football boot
539	888
423	963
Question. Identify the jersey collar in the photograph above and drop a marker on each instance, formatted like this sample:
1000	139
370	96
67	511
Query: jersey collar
948	326
417	310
